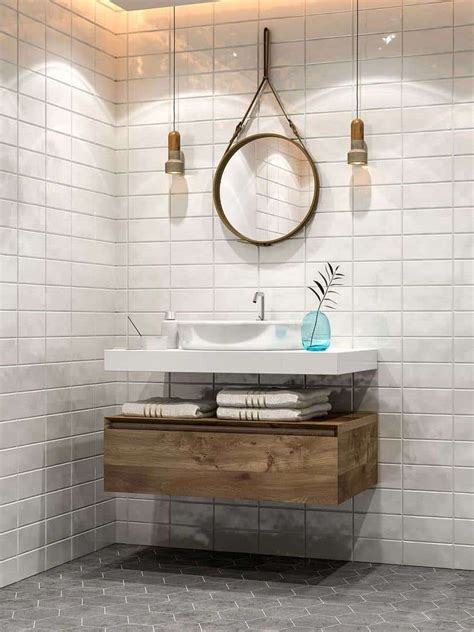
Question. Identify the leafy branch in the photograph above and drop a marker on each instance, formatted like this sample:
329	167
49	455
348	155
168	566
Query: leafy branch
331	278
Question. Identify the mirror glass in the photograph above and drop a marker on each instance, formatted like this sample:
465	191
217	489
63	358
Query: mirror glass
266	188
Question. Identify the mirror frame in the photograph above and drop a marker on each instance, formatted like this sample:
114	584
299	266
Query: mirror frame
220	172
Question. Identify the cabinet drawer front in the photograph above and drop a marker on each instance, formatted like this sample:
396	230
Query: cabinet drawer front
276	467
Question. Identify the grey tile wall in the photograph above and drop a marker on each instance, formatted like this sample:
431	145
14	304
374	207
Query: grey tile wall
57	279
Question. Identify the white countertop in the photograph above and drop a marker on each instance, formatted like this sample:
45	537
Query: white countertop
334	361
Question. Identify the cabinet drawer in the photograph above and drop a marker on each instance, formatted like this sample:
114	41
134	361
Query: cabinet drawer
314	462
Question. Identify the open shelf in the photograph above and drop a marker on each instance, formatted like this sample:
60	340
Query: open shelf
334	361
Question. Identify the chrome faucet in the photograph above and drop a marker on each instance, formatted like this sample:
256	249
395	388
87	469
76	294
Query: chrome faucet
261	296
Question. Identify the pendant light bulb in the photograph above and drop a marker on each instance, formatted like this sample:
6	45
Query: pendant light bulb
358	152
175	163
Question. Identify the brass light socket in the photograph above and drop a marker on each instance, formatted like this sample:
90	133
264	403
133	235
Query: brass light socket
357	129
174	141
358	153
175	162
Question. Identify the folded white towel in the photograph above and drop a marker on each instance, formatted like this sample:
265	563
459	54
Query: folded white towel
162	407
273	414
272	397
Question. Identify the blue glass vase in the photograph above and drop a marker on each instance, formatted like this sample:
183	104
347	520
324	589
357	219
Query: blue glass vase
315	332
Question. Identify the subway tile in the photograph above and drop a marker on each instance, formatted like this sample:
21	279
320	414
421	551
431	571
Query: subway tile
417	17
428	477
463	505
378	551
427	452
417	553
237	518
328	25
428	529
281	543
427	503
235	541
378	526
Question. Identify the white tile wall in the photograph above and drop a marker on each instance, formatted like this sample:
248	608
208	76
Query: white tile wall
92	228
401	229
57	279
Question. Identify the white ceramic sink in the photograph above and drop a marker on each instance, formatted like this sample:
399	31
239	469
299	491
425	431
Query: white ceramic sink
247	335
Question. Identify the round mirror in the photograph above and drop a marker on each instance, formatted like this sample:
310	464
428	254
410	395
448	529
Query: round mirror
266	188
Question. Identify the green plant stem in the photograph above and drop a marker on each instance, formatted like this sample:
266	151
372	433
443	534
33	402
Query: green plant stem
319	309
314	328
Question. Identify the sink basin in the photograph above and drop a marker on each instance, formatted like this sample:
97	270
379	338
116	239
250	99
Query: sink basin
247	335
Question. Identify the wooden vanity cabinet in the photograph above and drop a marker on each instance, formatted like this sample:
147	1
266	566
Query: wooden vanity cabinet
324	462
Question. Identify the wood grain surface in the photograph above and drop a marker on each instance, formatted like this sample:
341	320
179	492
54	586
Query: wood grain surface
304	462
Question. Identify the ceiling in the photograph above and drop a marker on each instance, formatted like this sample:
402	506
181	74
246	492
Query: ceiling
133	5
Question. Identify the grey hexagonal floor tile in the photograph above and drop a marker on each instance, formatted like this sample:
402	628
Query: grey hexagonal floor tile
127	587
438	626
392	627
343	599
58	623
456	602
133	628
196	616
60	602
21	603
262	602
414	605
285	611
169	607
300	628
449	614
314	591
151	618
330	609
270	624
372	606
105	620
36	614
178	627
14	626
38	593
408	616
315	620
214	605
365	618
343	627
82	612
241	614
6	613
225	627
85	629
384	597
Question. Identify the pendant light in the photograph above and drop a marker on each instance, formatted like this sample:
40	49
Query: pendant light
358	153
175	163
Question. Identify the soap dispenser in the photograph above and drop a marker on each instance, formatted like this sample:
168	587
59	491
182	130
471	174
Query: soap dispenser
169	328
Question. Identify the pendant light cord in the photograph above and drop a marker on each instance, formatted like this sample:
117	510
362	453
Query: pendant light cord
357	58
174	67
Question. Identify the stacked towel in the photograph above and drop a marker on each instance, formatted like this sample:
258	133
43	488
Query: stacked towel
272	397
167	407
273	404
